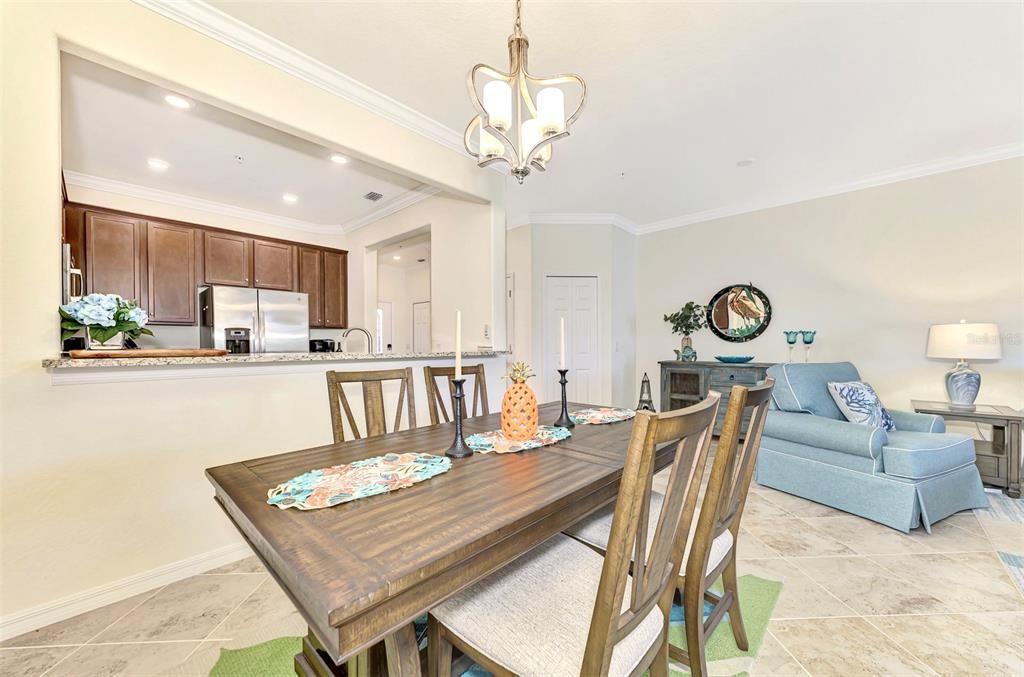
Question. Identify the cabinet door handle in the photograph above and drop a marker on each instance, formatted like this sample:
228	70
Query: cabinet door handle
732	377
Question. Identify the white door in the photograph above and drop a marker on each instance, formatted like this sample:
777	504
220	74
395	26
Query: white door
386	331
421	327
575	299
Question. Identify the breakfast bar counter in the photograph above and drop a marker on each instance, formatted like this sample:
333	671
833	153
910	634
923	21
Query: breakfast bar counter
252	358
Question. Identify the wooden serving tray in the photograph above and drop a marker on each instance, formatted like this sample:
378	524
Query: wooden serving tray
151	352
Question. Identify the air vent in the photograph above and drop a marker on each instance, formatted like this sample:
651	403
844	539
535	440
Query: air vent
372	196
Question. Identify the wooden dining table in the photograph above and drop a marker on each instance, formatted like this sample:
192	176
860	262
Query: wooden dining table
361	572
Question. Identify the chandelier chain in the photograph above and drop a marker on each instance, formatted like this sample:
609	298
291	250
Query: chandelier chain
519	17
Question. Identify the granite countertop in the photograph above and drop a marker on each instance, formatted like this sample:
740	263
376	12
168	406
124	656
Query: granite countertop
256	358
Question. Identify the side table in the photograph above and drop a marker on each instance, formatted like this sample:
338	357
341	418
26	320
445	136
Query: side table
999	460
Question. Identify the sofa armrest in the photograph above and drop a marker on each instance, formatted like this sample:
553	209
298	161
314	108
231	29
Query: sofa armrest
919	423
825	433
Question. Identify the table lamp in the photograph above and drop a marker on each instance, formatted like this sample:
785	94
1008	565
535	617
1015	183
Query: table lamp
961	342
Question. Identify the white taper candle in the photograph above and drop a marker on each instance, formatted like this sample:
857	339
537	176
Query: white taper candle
561	344
458	344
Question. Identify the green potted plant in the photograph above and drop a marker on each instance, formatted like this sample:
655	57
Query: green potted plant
107	320
687	320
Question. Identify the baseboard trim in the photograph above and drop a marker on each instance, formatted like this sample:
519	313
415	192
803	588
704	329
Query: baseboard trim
67	607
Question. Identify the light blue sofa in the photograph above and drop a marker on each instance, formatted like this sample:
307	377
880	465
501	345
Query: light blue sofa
915	474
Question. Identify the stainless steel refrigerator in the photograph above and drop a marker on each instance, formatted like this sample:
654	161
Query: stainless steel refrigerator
276	321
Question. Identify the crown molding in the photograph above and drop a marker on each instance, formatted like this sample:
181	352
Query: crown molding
224	28
404	200
179	200
594	219
994	154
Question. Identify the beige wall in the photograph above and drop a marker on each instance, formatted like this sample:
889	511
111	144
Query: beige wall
403	286
601	250
84	506
870	270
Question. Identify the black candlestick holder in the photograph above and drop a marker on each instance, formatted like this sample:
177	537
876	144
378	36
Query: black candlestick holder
564	421
458	448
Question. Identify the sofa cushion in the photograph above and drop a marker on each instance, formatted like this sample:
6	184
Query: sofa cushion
915	455
860	404
803	387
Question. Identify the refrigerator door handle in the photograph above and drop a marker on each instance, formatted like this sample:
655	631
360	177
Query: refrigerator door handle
263	332
256	332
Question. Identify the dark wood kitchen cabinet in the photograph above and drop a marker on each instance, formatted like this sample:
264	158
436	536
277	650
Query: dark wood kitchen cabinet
335	290
161	263
311	281
171	273
275	265
113	264
227	259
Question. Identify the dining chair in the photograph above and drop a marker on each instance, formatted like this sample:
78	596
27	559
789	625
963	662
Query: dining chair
711	548
435	400
373	400
563	609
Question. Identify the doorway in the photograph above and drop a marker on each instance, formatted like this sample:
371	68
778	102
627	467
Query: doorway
403	288
573	298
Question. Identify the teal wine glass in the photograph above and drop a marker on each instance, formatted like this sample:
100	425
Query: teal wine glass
808	336
791	336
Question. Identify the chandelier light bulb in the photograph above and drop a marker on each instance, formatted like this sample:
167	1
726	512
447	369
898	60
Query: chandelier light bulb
498	104
551	110
490	146
532	134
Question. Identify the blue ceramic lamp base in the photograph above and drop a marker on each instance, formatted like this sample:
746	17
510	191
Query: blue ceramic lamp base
962	385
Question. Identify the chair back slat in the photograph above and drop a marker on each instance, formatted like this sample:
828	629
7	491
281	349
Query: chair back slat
654	567
731	472
477	406
372	386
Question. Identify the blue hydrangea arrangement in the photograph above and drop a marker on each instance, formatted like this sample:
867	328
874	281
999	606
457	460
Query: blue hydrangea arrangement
103	316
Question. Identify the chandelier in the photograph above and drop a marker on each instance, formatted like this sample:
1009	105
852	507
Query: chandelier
519	115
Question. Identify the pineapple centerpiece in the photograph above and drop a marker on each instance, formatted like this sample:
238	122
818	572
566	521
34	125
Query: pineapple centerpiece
519	406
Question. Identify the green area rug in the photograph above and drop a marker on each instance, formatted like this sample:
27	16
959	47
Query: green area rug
757	600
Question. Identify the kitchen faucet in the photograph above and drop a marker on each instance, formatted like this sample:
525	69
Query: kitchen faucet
369	339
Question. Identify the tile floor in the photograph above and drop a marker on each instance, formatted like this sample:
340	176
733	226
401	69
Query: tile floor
858	599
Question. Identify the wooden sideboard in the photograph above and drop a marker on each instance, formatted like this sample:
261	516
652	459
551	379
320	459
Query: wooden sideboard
686	383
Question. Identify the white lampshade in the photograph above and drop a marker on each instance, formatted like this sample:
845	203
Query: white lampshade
551	110
490	145
966	341
531	136
498	104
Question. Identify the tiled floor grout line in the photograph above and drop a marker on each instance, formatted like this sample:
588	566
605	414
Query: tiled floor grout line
786	649
861	616
224	620
107	627
900	646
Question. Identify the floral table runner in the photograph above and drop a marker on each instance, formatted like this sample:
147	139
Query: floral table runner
495	440
338	484
601	415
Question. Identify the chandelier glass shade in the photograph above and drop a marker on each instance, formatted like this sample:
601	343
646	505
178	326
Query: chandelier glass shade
519	115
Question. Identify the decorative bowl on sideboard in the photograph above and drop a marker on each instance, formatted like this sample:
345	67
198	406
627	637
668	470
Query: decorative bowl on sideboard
734	359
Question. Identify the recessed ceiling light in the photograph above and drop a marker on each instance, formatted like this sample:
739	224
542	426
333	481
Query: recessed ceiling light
178	101
396	257
745	163
339	159
290	198
157	164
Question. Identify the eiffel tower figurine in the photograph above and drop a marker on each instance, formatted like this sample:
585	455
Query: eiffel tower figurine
646	402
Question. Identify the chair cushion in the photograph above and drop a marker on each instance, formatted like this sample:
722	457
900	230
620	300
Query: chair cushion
533	616
594	530
916	455
802	387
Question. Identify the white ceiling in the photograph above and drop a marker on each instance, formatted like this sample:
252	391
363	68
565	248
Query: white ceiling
409	251
113	123
821	95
